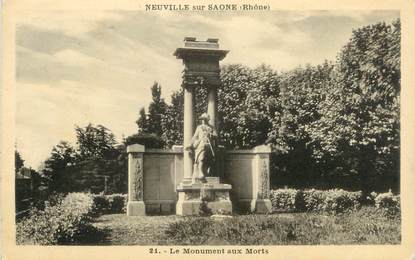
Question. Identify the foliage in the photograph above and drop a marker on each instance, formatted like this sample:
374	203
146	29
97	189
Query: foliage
387	201
361	109
110	204
97	142
18	161
248	99
66	221
172	121
152	123
155	110
328	201
146	139
142	122
59	165
285	199
96	164
332	201
302	90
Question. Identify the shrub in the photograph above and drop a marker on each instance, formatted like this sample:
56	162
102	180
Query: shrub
313	200
110	204
389	202
330	201
82	203
101	204
286	200
66	221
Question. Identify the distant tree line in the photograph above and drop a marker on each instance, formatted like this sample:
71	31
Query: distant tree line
336	124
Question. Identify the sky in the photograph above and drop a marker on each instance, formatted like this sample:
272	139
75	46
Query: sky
75	68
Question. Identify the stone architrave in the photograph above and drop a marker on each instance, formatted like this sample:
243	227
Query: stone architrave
135	205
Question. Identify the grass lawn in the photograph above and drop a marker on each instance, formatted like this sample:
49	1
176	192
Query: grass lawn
366	226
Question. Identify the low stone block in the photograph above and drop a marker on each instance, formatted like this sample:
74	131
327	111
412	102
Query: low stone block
136	208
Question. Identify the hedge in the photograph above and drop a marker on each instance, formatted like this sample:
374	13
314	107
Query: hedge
330	201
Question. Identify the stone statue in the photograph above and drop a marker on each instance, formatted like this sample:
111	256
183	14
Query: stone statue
203	145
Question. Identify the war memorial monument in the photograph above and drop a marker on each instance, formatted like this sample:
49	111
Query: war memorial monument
199	176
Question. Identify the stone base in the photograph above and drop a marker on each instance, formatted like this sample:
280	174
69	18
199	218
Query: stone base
136	208
207	198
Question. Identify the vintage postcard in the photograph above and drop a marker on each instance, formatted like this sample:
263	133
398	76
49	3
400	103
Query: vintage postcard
207	129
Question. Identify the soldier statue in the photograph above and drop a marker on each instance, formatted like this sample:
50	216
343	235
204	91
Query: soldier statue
203	145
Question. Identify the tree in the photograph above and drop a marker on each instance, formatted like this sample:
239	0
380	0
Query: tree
85	167
59	165
302	90
231	102
142	122
172	121
18	161
94	141
361	110
155	111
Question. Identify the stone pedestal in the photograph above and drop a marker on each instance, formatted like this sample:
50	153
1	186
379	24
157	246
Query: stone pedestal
135	205
211	197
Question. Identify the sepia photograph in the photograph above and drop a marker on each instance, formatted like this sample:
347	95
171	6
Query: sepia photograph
190	128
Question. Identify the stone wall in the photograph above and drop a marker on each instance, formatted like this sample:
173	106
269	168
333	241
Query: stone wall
163	173
246	170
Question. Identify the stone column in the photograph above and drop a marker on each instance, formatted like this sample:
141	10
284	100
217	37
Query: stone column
135	205
188	130
212	107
